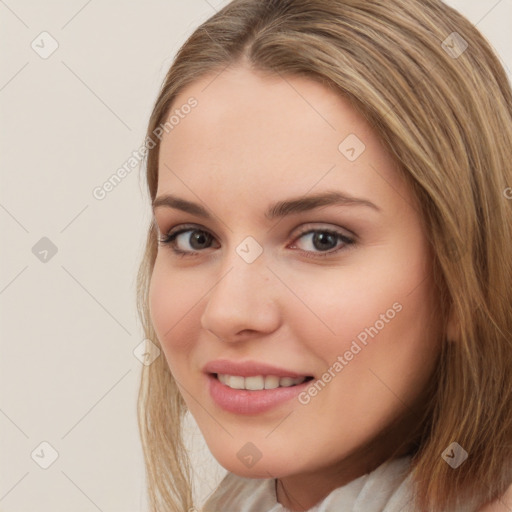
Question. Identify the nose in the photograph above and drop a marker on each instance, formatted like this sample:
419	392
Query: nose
243	302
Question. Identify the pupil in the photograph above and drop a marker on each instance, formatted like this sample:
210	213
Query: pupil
199	237
319	240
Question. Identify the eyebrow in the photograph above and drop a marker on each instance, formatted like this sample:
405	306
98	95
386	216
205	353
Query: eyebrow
277	210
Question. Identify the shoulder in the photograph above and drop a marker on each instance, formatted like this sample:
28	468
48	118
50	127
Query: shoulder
503	504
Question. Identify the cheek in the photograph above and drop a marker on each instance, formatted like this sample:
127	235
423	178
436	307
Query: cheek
174	310
334	307
381	317
385	333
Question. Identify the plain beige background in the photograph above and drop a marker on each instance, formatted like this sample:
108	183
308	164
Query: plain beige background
68	372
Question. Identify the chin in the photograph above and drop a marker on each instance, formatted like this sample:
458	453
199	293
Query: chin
269	468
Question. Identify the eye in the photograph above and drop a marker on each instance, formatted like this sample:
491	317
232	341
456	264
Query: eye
187	240
191	240
322	242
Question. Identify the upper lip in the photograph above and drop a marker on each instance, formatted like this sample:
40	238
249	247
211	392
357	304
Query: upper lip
248	369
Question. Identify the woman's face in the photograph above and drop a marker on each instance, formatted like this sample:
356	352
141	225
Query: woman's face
338	289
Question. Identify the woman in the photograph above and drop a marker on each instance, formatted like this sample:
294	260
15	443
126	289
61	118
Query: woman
328	269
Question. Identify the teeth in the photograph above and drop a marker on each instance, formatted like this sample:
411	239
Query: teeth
271	382
258	382
254	383
286	381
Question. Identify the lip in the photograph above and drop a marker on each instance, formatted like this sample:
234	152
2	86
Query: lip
249	369
242	401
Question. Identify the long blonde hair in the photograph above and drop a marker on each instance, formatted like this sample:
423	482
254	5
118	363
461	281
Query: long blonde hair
445	112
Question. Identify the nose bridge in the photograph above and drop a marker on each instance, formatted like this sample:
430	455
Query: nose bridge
243	271
242	297
242	282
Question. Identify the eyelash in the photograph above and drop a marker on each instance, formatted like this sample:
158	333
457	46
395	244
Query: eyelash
169	240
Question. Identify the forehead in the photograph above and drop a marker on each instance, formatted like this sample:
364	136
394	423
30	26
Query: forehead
265	109
252	135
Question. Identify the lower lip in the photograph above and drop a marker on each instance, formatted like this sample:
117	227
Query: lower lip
242	401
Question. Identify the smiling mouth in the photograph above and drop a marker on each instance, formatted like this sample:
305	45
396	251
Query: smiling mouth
259	382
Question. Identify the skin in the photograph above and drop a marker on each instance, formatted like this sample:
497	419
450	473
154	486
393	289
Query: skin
252	140
502	504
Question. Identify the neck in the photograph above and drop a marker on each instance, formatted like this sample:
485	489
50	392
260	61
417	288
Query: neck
301	492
